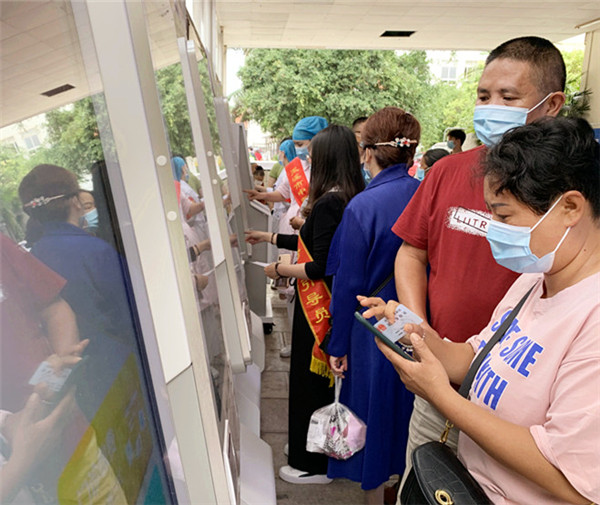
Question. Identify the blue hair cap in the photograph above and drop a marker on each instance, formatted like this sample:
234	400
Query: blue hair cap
289	149
308	127
177	164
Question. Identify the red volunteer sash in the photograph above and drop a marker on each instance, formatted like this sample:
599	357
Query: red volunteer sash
298	182
314	299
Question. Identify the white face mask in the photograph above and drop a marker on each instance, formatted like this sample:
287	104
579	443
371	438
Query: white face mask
511	246
493	121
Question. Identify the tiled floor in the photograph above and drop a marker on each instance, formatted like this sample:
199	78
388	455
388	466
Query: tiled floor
274	411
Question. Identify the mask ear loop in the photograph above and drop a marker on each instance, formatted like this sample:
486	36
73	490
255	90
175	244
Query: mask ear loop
562	239
540	103
546	214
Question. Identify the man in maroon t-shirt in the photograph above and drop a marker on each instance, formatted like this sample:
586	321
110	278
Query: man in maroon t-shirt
445	224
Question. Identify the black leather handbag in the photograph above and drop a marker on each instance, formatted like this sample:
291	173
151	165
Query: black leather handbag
437	476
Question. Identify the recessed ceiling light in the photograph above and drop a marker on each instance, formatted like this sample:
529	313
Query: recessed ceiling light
56	91
396	33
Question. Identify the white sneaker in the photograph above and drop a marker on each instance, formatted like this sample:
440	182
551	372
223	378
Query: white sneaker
286	351
293	476
286	449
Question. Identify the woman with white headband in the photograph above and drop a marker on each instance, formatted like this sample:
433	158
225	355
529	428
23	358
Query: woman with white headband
362	258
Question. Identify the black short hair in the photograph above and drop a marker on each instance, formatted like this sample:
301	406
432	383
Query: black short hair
540	161
434	155
359	120
547	64
458	134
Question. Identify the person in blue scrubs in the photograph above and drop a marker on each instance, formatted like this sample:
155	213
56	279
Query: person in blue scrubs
95	274
361	258
94	271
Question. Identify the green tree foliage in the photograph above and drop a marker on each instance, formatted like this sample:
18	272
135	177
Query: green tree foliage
280	86
13	168
174	108
73	132
577	103
73	137
169	81
574	64
458	101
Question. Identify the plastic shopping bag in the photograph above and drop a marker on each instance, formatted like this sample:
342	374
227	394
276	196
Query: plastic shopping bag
335	430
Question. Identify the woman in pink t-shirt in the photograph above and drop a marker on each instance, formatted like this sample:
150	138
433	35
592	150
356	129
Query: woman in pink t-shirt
530	431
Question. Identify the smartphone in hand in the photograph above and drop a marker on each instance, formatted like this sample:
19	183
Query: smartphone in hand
391	344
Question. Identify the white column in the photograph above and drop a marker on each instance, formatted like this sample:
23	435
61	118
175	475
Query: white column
591	75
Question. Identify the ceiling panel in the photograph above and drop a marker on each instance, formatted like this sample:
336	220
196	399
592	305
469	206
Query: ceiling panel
473	24
40	50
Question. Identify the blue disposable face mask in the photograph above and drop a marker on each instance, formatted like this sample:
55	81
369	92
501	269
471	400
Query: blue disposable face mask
302	152
420	175
450	144
493	121
91	219
511	246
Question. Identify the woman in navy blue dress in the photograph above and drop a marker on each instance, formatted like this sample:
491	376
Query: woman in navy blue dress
361	258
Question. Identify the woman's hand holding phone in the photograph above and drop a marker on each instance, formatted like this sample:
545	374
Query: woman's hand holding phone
426	376
377	308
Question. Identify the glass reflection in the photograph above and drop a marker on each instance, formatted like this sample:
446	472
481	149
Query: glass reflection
207	81
77	423
172	96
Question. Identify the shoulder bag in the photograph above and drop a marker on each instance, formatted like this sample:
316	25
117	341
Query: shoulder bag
437	476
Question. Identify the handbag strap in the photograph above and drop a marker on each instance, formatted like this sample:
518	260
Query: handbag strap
323	345
465	387
379	288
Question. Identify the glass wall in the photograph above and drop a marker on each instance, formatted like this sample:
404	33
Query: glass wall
190	196
234	228
78	419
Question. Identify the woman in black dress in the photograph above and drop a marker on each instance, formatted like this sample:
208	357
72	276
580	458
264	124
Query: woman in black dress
335	179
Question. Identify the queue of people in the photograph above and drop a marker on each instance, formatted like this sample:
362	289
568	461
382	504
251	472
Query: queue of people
476	234
484	227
